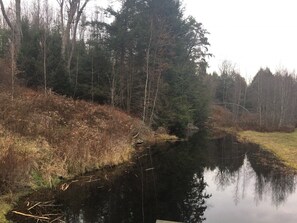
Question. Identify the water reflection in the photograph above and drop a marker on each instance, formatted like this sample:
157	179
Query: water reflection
241	165
195	181
194	205
245	179
165	183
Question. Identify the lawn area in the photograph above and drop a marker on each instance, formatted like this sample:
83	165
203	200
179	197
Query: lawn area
283	145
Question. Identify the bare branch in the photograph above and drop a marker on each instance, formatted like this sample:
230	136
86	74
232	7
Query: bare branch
5	15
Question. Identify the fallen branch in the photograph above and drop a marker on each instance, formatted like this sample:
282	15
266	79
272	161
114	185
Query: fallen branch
65	186
34	206
149	169
31	216
90	181
56	219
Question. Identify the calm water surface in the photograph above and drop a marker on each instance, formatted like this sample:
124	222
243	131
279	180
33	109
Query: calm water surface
196	181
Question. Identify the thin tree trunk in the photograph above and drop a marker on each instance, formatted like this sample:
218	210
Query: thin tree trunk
112	88
44	63
147	73
155	100
5	15
12	67
76	75
15	38
92	89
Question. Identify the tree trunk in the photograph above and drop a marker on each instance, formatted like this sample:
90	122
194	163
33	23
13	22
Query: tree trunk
15	38
112	87
73	4
73	42
92	88
13	67
18	28
155	99
45	46
44	62
147	73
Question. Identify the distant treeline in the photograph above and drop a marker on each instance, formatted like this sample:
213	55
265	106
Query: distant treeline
149	60
268	103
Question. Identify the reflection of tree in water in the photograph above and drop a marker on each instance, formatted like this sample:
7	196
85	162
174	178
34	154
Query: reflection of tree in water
277	185
225	156
193	207
237	164
180	181
167	183
272	178
160	186
282	187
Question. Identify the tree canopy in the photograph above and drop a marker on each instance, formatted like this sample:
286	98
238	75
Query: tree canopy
149	61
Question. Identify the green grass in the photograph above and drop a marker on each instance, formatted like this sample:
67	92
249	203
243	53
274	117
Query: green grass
283	145
4	209
6	204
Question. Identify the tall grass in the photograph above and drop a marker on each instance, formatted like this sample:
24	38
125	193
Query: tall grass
43	138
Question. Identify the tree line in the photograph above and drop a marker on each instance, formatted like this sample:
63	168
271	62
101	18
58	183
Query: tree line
268	103
146	58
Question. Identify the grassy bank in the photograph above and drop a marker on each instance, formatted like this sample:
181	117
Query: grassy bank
283	145
4	208
44	139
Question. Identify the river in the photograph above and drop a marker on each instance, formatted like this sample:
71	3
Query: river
200	180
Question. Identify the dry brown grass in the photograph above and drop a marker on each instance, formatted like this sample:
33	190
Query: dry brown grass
44	137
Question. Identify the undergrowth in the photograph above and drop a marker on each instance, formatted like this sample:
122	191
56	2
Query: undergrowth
47	138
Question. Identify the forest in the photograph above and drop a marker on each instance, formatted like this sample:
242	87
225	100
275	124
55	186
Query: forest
146	58
87	90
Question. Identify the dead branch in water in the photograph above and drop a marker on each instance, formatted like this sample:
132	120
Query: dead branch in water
31	216
38	203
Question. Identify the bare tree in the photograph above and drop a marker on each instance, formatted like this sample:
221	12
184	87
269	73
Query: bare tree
16	35
79	12
147	70
44	40
74	9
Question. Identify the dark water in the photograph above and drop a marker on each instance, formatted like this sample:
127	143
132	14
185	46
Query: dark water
200	180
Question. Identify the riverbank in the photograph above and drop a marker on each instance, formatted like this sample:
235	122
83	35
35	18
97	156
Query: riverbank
49	139
283	145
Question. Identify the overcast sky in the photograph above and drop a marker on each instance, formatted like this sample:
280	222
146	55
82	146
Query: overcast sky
250	33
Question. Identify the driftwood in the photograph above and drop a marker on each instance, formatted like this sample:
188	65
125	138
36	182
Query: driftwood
38	212
65	186
56	219
31	216
149	169
38	203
